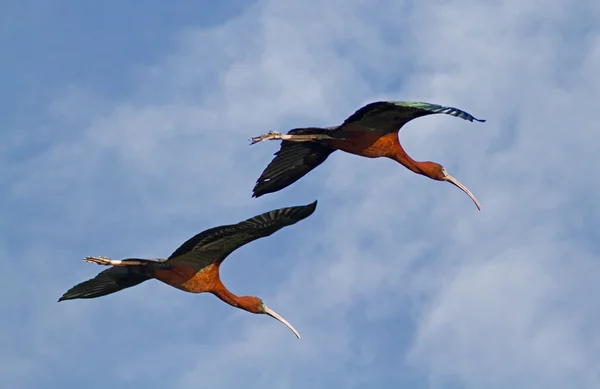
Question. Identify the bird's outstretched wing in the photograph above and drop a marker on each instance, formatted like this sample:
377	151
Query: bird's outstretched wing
106	282
390	116
215	244
292	162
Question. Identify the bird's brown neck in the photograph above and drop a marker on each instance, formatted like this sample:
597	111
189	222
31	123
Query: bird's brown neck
398	154
219	290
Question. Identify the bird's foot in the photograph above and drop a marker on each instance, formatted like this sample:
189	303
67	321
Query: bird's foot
271	135
102	261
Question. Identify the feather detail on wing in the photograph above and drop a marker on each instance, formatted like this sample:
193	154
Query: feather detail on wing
292	162
106	282
215	244
390	116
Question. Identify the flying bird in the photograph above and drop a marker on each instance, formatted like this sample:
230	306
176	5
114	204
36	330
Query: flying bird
194	266
370	132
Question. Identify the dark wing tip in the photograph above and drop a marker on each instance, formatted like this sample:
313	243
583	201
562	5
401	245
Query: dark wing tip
305	211
430	108
459	113
258	190
66	296
309	208
473	119
296	213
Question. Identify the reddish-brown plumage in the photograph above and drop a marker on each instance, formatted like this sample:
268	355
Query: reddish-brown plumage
188	279
373	145
366	144
206	280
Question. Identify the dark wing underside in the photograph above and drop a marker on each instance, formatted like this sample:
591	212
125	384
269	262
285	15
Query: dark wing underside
106	282
390	116
215	244
292	162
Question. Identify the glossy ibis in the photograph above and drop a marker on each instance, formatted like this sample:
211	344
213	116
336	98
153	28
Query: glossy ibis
371	132
194	266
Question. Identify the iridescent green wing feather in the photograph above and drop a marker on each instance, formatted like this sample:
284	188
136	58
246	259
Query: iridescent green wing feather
215	244
390	116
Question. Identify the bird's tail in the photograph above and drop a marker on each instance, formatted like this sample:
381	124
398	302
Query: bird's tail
292	162
108	281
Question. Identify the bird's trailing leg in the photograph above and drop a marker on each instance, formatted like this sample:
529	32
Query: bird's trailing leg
274	135
112	262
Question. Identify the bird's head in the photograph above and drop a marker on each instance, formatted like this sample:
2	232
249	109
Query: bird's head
438	172
256	305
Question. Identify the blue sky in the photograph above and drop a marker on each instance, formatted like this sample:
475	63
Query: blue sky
124	132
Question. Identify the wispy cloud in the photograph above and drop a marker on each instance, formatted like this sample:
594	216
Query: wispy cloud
396	279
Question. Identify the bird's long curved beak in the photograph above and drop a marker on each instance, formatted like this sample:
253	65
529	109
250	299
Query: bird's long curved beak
275	315
456	183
